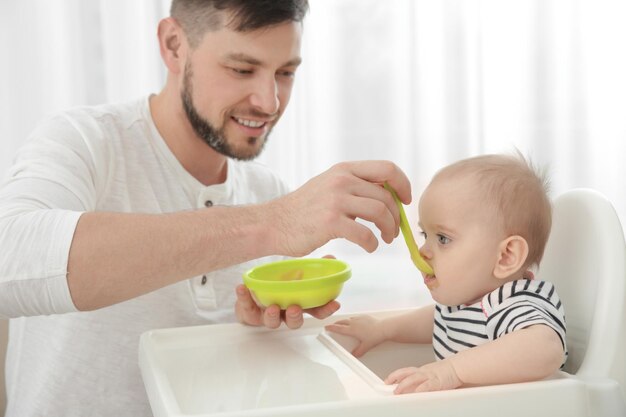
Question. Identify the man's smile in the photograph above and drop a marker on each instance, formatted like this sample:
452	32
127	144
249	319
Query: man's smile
249	123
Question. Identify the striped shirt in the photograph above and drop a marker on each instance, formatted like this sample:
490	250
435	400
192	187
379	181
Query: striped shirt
513	306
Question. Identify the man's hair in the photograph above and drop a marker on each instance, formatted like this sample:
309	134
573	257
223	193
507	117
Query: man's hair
199	16
515	192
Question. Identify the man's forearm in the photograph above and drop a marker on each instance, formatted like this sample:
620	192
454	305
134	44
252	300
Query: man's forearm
117	256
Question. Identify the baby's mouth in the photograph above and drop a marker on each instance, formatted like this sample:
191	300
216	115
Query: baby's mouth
431	281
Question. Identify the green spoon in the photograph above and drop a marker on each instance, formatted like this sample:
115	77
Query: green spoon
416	256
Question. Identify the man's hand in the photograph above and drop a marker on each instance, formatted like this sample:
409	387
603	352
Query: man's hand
248	312
436	376
327	206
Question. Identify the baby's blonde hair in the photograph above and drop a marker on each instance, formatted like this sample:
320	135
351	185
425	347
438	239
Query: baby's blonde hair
515	191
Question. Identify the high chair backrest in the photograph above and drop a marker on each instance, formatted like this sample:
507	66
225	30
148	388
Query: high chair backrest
585	259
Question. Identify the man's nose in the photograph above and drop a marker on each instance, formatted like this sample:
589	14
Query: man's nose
265	96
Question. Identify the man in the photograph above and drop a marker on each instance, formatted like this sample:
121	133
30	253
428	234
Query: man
122	218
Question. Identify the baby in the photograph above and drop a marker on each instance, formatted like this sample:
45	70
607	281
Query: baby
486	221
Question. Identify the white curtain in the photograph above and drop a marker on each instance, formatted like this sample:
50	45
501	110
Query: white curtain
62	53
426	82
419	82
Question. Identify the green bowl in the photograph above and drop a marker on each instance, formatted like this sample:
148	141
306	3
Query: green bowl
307	282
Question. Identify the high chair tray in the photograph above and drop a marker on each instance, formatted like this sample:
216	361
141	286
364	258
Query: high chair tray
234	370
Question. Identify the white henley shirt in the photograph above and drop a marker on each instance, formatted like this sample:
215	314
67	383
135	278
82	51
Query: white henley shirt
61	362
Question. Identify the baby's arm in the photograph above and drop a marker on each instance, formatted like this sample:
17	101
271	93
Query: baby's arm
415	326
529	354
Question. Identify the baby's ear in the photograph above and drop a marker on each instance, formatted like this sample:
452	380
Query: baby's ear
512	254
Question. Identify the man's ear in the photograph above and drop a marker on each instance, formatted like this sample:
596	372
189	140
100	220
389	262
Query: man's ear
512	254
172	44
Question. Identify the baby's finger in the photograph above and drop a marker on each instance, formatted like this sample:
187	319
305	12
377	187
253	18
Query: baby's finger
399	374
340	328
411	382
427	386
360	350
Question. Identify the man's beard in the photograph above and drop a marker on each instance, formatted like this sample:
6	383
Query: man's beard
216	138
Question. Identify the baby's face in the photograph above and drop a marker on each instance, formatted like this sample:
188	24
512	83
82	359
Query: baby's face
462	239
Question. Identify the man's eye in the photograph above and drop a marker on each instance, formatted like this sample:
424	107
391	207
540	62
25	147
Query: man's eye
444	240
241	71
288	74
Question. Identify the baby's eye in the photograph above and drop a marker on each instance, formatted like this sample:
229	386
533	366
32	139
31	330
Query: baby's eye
442	239
423	234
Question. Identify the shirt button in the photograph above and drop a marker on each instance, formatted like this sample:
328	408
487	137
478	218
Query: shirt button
208	203
203	282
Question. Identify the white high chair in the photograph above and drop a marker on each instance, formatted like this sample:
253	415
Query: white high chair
232	370
585	259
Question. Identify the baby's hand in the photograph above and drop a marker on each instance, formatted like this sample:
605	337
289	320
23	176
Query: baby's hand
436	376
366	329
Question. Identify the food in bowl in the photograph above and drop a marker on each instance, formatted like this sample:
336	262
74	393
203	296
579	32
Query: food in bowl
292	275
